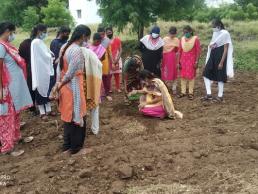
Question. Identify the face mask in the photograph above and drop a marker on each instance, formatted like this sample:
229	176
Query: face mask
216	29
43	36
188	35
11	37
154	35
110	36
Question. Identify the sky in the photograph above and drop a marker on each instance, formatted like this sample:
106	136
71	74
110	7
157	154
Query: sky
94	18
218	2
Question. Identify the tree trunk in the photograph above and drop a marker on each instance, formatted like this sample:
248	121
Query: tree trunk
140	31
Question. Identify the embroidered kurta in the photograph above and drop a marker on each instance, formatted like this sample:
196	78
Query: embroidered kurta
169	64
16	98
189	52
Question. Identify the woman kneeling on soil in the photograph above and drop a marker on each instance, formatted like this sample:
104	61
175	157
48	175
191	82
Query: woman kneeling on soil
155	100
132	66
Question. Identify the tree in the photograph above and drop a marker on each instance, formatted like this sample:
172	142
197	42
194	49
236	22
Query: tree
12	10
30	18
56	14
244	3
145	12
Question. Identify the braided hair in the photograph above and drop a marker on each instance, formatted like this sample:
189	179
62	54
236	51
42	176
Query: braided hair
78	33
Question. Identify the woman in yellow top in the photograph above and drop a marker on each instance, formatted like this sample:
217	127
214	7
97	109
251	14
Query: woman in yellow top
107	63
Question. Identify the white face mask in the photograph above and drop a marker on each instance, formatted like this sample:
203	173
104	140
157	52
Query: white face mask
154	35
215	29
11	37
43	36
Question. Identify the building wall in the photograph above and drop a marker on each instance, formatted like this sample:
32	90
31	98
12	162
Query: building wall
88	11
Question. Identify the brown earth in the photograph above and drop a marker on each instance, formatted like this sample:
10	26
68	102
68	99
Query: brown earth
214	149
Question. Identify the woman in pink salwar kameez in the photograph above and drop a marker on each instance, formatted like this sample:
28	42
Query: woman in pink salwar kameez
189	52
170	61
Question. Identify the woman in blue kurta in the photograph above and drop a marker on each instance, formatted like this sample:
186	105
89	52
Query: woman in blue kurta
14	92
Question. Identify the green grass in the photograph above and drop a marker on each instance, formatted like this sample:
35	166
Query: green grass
244	35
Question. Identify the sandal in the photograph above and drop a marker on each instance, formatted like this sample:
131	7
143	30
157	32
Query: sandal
190	96
44	117
206	98
218	99
181	95
52	113
109	98
17	153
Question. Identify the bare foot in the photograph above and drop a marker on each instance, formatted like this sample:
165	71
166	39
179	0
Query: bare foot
84	151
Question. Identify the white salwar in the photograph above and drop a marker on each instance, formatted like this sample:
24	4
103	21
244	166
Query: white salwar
219	39
41	67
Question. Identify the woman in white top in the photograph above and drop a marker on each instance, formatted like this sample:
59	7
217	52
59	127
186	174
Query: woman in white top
42	70
219	62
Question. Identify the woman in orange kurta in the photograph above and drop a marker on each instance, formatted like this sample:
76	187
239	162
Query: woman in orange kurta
72	103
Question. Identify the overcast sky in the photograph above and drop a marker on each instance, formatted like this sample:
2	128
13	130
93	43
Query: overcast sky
218	2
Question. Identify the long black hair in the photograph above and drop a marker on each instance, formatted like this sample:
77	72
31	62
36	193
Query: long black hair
6	26
218	23
36	29
63	29
78	32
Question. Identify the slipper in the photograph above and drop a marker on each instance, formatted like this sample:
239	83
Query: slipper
28	139
109	98
181	95
22	124
44	117
52	113
17	153
190	96
206	98
218	100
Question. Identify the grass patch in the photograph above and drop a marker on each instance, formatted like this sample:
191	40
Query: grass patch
244	35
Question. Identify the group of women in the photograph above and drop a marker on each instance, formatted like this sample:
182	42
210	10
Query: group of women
78	75
168	59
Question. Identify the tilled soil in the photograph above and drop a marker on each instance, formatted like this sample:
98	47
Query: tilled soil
214	149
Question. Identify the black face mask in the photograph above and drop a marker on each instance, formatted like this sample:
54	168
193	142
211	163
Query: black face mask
110	36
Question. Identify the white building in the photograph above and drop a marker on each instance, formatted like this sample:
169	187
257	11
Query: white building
84	11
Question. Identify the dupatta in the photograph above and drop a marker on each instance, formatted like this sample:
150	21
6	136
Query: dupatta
14	53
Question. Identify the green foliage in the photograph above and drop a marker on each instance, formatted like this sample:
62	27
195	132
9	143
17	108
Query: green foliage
13	10
236	12
244	3
145	12
56	14
30	18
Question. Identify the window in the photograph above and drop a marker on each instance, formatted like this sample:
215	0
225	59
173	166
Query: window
79	13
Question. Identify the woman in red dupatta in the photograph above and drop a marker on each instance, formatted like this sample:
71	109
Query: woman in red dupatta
14	92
